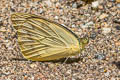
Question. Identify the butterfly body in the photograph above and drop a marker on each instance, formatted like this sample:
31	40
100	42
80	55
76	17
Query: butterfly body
43	40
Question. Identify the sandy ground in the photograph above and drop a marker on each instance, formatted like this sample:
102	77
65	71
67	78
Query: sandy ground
100	60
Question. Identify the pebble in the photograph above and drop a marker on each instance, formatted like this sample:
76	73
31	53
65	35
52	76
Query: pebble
58	4
60	0
106	30
118	5
95	4
41	11
84	26
2	29
9	45
74	5
33	65
100	7
93	35
117	43
68	71
73	26
56	17
90	23
109	5
100	56
112	0
107	74
116	21
49	3
104	15
32	78
51	65
113	78
0	19
117	27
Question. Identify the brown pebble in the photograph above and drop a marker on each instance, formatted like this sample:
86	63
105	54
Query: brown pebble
117	43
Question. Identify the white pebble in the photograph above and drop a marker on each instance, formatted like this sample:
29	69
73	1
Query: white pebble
73	26
41	11
74	5
49	3
118	5
84	26
90	23
56	17
0	19
106	30
107	74
95	4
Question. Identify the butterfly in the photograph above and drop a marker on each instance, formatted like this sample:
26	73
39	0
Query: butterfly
41	39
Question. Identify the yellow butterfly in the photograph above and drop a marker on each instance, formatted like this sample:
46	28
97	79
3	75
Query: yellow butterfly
43	40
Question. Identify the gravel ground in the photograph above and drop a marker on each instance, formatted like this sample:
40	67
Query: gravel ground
98	19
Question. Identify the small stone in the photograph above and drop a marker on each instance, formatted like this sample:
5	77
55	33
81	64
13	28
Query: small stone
90	23
117	27
95	4
61	0
109	5
118	5
2	29
102	16
56	17
73	26
116	20
106	30
117	43
107	74
100	56
49	3
100	7
1	21
9	45
112	0
32	78
41	11
93	36
84	26
113	78
33	65
58	4
68	71
74	5
51	65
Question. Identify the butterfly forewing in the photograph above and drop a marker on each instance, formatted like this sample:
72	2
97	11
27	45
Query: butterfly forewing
42	40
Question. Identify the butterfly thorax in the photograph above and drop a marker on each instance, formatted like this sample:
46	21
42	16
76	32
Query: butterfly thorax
74	50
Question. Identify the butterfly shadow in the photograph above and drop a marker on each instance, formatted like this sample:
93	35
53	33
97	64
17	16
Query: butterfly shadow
67	60
62	60
18	59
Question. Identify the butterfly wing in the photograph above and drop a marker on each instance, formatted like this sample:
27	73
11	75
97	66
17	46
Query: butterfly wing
43	40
